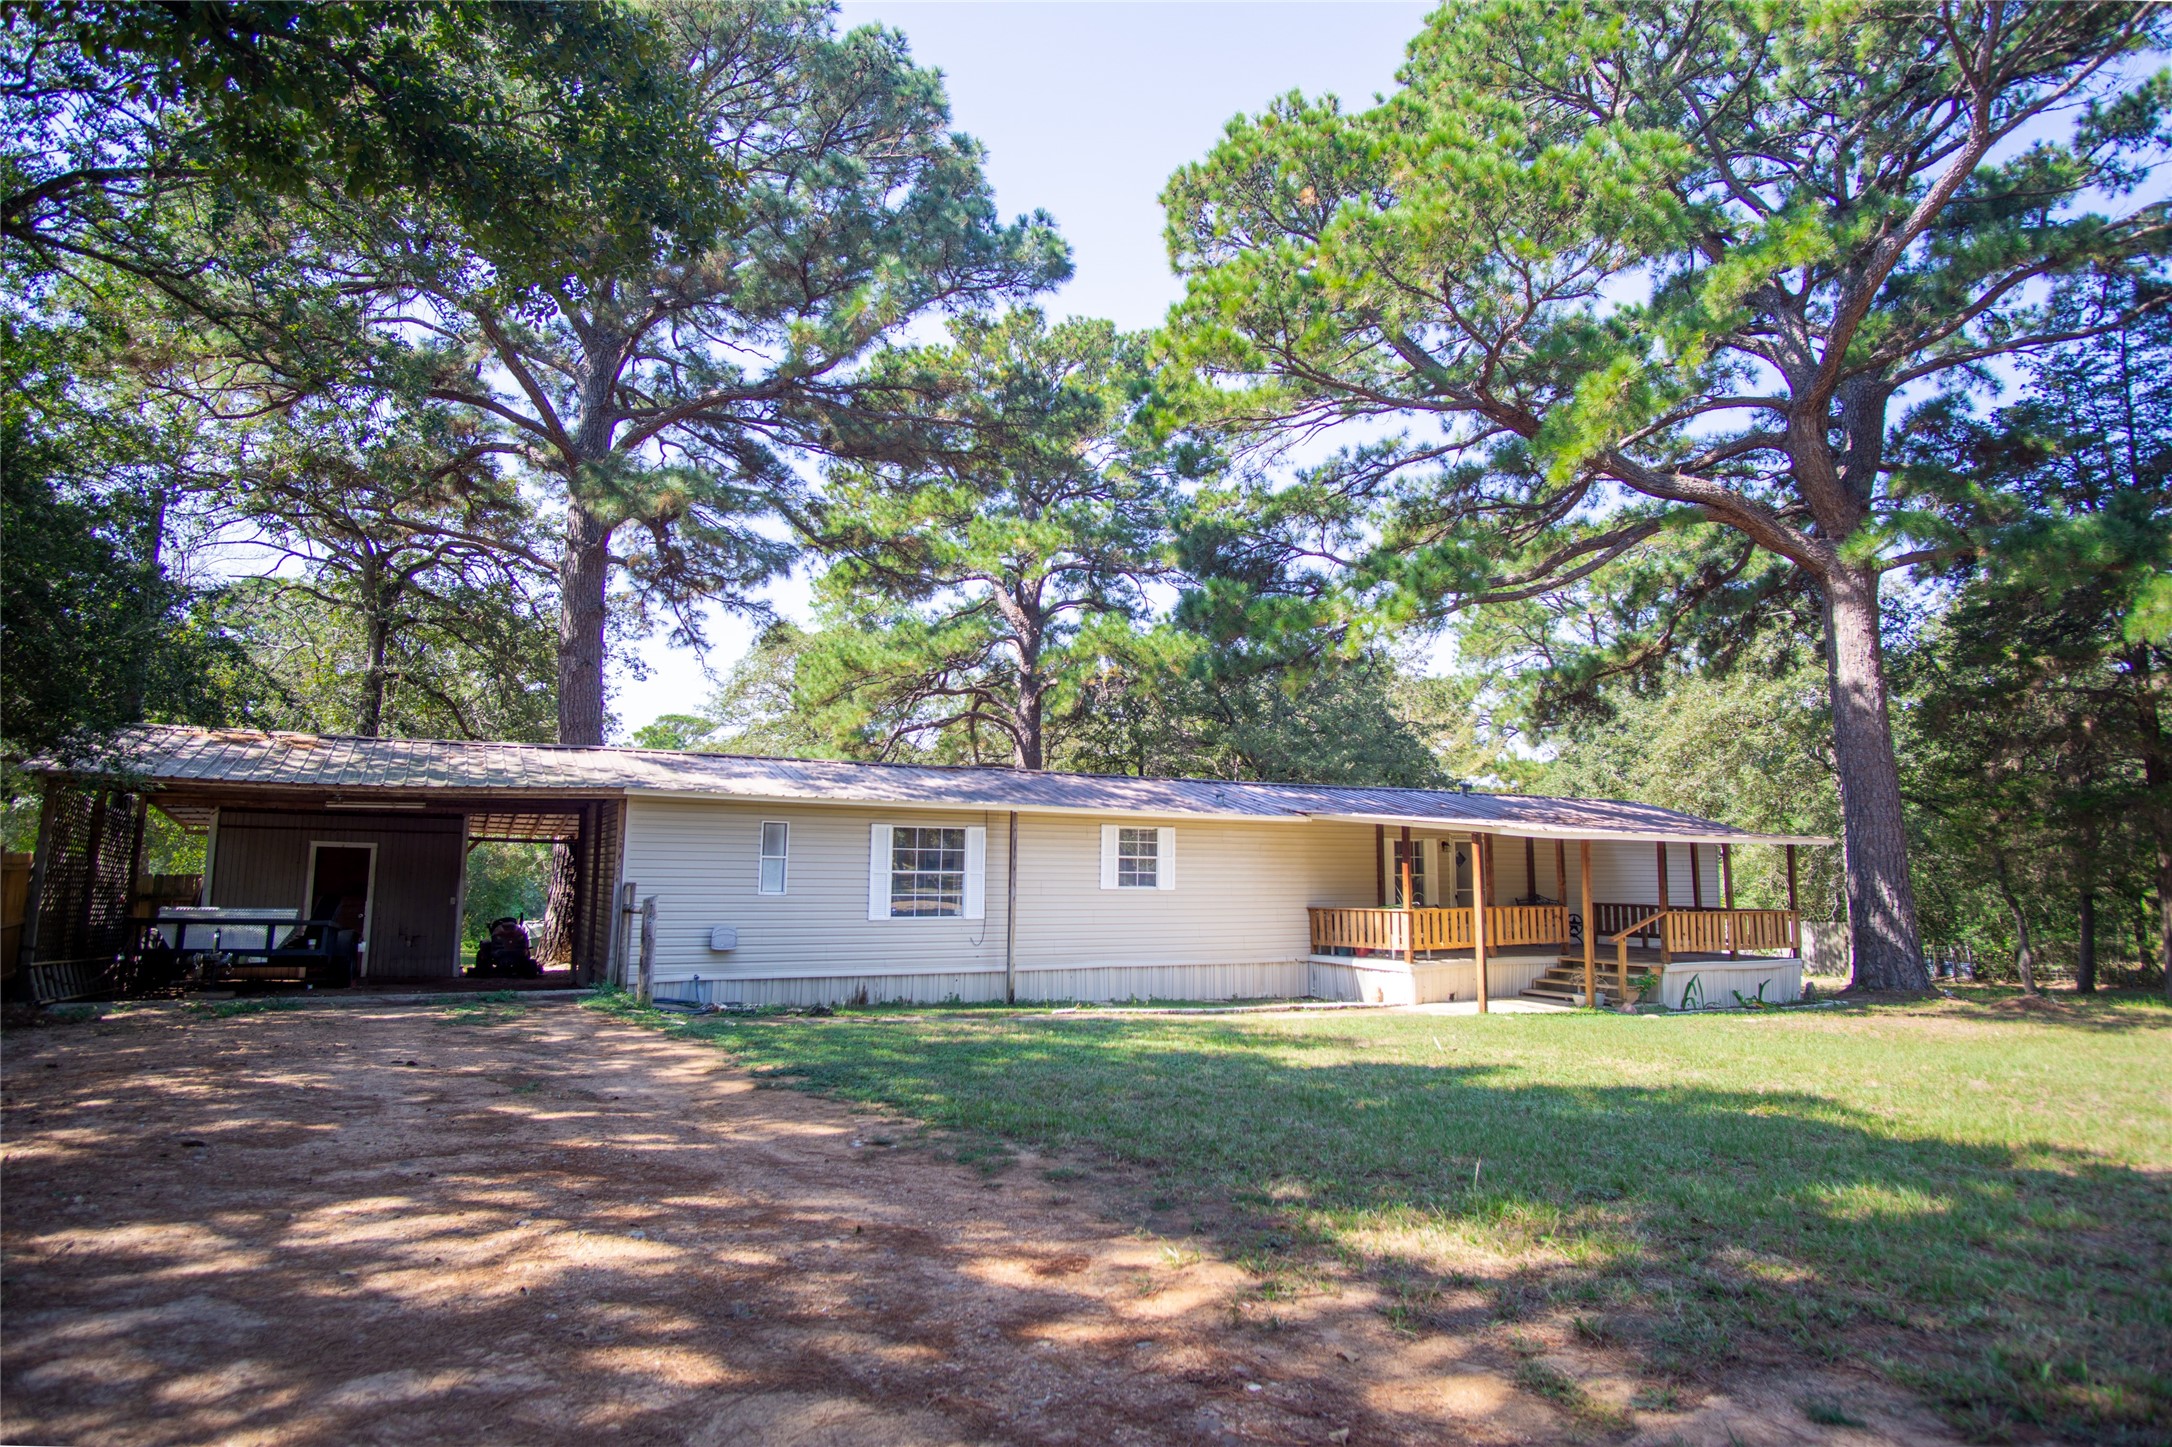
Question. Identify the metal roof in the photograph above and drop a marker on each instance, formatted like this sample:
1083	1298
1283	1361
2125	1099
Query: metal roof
222	760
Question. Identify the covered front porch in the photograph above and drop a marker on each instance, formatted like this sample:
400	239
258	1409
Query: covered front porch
1429	941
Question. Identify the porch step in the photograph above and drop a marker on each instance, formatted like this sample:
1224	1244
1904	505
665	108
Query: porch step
1561	984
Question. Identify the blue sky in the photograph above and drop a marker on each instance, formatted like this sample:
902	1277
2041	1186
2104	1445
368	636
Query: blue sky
1085	108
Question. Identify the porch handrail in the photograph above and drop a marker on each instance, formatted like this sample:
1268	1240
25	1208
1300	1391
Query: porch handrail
1639	927
1621	950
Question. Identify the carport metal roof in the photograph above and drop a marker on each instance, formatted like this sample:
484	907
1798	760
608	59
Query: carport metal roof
357	771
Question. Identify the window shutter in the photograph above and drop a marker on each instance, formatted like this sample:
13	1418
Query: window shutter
976	872
1108	856
1165	860
878	872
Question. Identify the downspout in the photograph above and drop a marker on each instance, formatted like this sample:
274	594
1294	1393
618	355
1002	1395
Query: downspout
1010	918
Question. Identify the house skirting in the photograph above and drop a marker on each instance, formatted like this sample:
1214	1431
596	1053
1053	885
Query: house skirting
1706	985
1384	980
1375	980
1270	980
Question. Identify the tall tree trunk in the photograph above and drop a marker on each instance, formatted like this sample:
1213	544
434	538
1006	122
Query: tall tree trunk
1887	953
370	713
2164	903
2157	776
2024	948
583	577
2085	950
147	616
1029	630
1032	701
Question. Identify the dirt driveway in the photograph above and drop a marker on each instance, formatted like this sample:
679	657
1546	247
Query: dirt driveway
409	1224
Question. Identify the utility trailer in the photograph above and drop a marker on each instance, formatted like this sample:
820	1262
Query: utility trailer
215	946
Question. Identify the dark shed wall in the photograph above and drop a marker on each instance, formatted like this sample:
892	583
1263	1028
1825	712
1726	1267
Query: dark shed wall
262	862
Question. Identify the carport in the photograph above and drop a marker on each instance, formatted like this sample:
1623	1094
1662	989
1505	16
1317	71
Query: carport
303	824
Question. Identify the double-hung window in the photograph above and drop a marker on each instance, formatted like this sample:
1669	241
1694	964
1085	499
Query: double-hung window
776	849
927	872
1136	858
916	872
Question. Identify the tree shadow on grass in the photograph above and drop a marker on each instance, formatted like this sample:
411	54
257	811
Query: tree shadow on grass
2109	1011
2012	1287
365	1227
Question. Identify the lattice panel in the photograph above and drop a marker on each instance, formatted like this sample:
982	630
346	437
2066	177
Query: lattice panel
89	839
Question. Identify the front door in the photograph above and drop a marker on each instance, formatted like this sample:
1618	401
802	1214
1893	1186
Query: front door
1457	857
339	889
1413	854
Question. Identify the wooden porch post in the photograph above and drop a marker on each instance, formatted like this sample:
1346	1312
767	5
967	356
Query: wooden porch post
1794	910
1696	881
1591	927
1561	871
1664	954
1410	919
1380	863
1481	894
1727	897
1530	866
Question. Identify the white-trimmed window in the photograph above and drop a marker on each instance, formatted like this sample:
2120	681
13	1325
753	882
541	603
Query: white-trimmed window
776	850
927	872
1137	858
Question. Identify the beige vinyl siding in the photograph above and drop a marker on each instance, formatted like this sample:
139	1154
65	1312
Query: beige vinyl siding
1628	873
1236	915
1240	897
701	860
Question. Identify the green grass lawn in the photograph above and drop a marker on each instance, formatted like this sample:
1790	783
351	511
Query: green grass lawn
1971	1197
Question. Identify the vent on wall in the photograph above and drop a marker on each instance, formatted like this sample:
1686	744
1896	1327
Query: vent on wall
723	937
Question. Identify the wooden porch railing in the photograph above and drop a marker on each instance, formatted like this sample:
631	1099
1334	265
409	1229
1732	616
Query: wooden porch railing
1408	931
1729	931
1526	924
1704	931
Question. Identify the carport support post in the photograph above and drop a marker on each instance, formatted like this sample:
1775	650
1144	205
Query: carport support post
646	988
1481	895
1591	927
620	974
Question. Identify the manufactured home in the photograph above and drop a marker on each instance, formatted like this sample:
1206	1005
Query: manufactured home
781	881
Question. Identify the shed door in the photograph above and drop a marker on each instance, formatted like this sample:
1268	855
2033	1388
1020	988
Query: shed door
339	888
